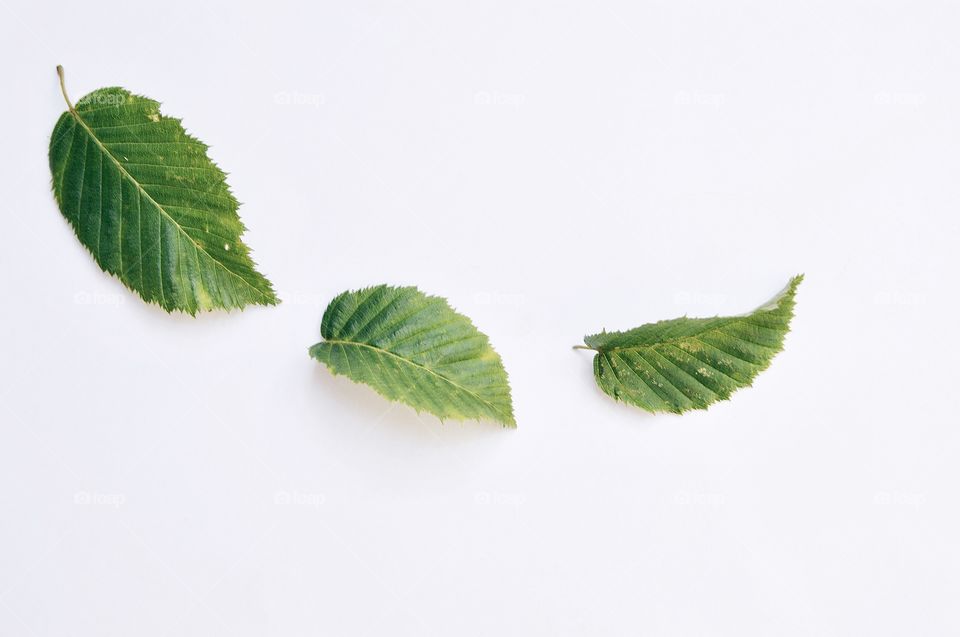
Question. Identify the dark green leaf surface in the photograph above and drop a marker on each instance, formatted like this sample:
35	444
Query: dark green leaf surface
415	349
153	209
686	363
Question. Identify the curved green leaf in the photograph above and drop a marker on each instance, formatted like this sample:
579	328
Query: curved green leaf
415	349
685	363
153	209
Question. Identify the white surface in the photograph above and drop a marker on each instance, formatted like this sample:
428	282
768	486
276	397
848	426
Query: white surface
552	170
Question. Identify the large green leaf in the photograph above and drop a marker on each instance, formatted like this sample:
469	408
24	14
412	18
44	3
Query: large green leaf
143	196
415	349
690	363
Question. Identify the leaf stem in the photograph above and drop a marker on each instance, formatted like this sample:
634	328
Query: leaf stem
63	89
584	347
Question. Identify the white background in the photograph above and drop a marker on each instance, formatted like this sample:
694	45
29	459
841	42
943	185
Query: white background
553	169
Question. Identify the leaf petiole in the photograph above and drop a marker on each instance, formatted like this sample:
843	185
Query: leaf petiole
63	88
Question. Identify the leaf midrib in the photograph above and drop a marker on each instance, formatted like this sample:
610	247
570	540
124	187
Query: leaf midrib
422	367
76	115
679	339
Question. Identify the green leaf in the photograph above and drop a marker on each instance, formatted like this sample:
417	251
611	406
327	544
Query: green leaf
686	363
415	349
153	209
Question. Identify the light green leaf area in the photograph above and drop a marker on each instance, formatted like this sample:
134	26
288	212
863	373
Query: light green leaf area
151	207
415	349
691	363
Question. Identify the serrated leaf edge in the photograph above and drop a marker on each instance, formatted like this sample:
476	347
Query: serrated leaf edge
263	298
507	420
788	291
